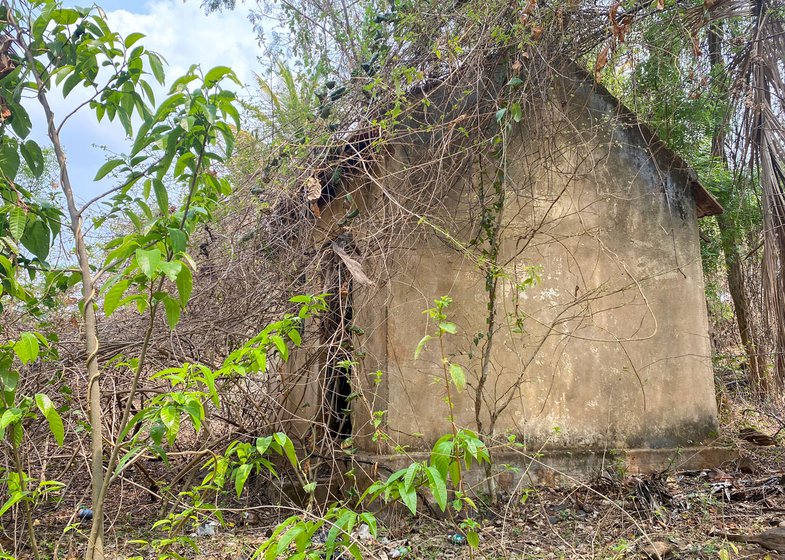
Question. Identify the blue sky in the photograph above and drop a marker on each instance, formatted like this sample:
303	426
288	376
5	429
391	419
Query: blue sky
184	35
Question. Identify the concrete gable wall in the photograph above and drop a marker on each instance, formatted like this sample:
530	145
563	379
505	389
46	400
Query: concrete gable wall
610	348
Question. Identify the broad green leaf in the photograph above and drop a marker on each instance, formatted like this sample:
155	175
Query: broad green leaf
447	327
472	539
114	295
185	161
178	240
133	452
9	379
15	498
33	156
170	417
344	523
421	345
36	238
172	312
15	481
157	432
285	541
208	111
209	380
124	116
107	168
65	16
133	38
409	498
184	284
148	213
470	502
195	410
134	219
228	136
171	269
288	448
161	196
241	476
263	444
369	519
438	486
13	248
61	73
458	376
261	361
21	121
17	218
70	83
215	75
455	472
148	261
9	159
10	416
27	347
515	112
157	67
442	454
143	139
411	472
280	344
49	411
123	249
232	111
148	91
132	422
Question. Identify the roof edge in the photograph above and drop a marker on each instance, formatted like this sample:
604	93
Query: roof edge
705	204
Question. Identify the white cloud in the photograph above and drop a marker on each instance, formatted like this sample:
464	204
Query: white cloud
183	35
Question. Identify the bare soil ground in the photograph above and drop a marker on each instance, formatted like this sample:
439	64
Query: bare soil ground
674	514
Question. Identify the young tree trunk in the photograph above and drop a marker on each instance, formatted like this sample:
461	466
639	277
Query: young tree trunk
95	548
741	305
95	544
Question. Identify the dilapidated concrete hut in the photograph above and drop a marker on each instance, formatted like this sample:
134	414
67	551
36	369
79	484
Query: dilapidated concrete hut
566	235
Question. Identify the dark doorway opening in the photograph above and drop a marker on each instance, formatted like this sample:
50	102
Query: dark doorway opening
339	351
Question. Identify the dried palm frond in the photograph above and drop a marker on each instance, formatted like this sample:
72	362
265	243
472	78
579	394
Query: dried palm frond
756	75
759	88
758	438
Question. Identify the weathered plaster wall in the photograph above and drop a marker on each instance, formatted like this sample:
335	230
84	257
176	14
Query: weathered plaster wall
614	348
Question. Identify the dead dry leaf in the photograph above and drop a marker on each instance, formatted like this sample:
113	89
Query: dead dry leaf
602	62
536	33
355	268
313	188
657	550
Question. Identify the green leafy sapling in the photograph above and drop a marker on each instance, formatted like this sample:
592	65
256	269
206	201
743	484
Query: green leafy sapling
179	141
15	411
451	455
